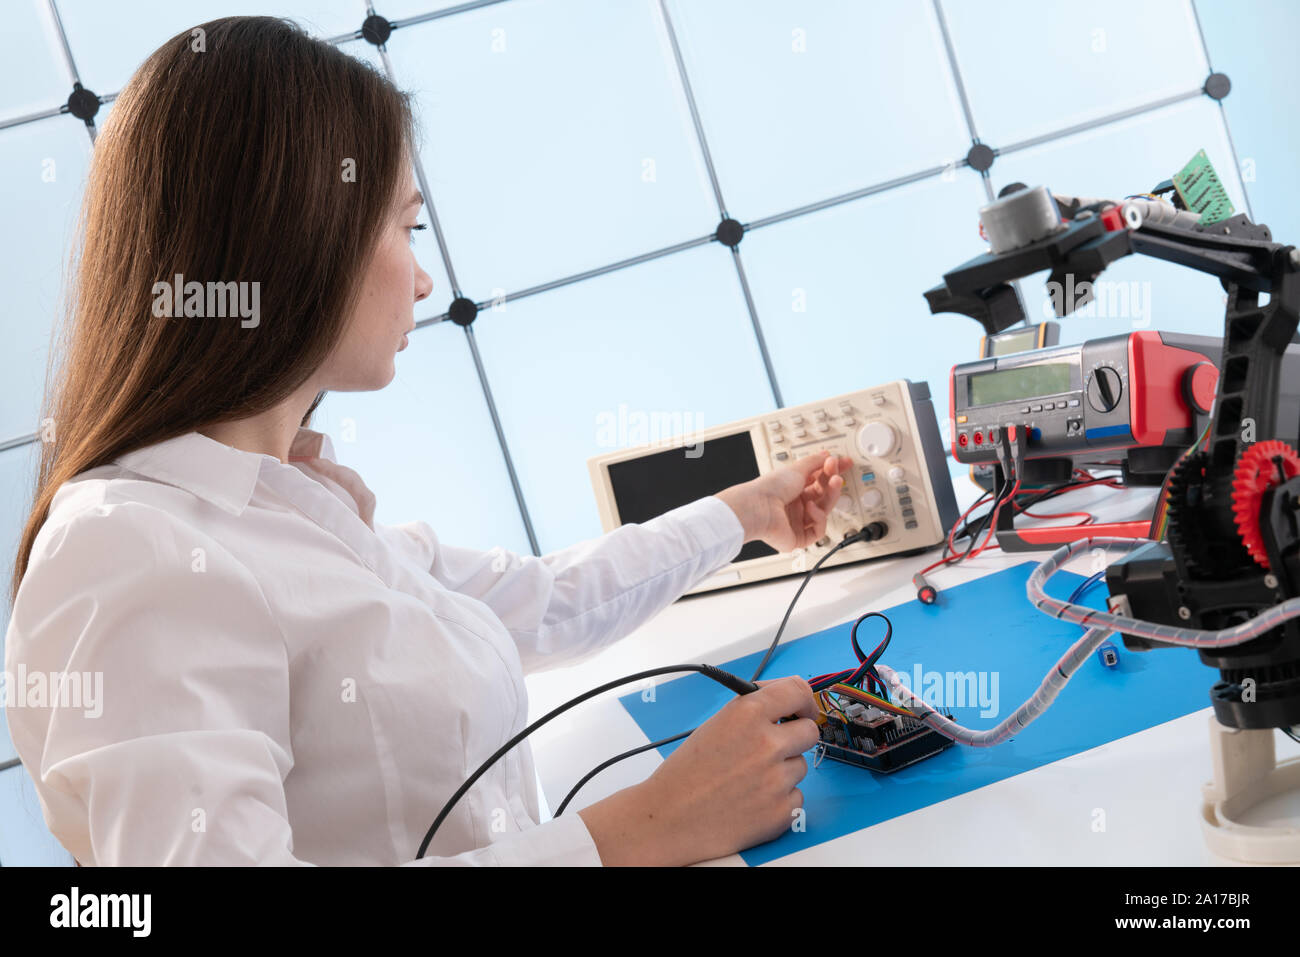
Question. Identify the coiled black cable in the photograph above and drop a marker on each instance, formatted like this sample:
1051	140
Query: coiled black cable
869	533
724	678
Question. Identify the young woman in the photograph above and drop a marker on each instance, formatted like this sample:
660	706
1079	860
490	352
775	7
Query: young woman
284	681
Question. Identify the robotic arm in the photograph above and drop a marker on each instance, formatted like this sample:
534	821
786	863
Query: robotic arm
1233	538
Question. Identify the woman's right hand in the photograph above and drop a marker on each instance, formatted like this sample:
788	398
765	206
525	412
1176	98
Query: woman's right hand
730	785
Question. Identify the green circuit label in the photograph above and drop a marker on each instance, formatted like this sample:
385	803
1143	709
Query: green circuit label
1201	191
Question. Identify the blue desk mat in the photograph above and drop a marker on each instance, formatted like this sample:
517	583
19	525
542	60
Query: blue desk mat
986	625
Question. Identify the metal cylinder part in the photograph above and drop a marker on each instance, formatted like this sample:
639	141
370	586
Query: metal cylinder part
1022	218
1160	212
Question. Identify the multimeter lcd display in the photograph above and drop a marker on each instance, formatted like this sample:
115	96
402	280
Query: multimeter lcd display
1014	342
1022	382
652	484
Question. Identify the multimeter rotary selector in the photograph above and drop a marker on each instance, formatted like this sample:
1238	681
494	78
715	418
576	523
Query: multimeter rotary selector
899	478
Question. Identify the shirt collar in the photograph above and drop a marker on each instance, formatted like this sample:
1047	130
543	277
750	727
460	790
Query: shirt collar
216	472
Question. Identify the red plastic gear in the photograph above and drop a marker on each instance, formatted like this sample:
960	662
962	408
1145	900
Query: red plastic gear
1255	474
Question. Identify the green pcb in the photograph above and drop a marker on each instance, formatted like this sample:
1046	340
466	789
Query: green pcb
1200	190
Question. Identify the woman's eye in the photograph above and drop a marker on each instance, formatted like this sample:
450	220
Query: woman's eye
411	238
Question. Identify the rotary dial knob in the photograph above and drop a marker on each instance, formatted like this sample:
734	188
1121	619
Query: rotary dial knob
877	439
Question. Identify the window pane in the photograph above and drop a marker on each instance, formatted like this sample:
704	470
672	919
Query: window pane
1112	162
44	166
1032	67
427	253
102	114
610	362
24	840
550	152
801	102
32	73
401	9
841	296
426	447
110	40
17	480
1267	138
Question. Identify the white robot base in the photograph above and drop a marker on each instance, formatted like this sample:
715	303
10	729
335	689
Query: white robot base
1250	783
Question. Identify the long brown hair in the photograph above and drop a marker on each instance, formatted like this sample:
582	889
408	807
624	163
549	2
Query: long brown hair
247	152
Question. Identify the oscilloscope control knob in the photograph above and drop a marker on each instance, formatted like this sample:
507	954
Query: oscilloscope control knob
1105	389
877	439
872	498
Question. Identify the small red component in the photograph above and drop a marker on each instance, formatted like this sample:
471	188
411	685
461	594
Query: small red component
1113	219
979	438
1255	474
962	440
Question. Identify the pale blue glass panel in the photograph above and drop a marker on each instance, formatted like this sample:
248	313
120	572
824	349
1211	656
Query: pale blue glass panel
24	839
401	9
1033	66
617	361
1258	53
43	165
803	101
33	76
1112	162
427	253
102	114
17	481
556	138
110	40
841	291
426	447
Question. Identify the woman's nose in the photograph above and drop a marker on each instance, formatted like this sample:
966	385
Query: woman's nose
423	284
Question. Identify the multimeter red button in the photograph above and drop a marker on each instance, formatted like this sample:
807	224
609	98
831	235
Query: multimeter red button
979	438
962	440
1200	382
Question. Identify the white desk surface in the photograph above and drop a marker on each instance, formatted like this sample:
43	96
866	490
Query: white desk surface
1148	784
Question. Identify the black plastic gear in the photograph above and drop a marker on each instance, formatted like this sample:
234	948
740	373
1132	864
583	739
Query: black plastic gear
1201	531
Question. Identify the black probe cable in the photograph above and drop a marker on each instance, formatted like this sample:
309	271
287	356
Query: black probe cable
869	533
726	678
998	501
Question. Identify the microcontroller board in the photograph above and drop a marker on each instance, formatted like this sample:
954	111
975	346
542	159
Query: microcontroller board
871	738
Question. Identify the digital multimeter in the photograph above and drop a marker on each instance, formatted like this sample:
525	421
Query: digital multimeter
1089	401
1021	339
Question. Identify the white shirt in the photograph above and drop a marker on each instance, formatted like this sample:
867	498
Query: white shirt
286	682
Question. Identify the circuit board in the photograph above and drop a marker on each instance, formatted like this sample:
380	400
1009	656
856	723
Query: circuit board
1201	191
870	738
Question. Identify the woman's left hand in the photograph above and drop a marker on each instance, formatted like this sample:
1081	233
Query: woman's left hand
787	507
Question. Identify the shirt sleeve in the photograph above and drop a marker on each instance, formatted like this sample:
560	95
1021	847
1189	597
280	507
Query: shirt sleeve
571	603
179	753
